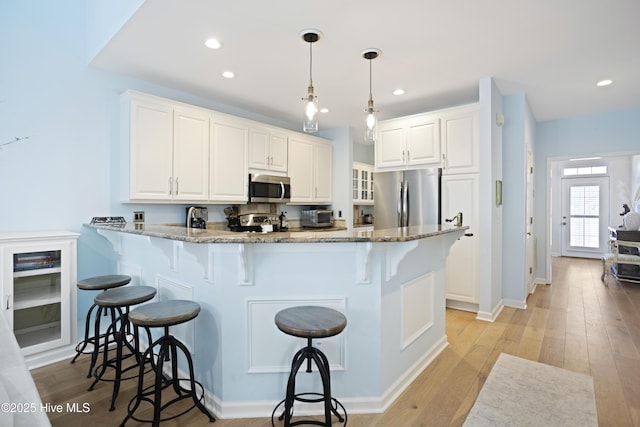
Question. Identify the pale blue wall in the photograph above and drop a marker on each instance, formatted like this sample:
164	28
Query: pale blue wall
518	130
613	132
67	171
490	215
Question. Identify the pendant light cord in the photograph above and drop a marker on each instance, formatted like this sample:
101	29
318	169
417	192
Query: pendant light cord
370	91
311	64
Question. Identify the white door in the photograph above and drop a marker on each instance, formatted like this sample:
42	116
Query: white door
585	216
460	194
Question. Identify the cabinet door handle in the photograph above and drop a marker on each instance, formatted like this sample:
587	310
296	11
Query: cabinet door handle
444	164
170	186
402	156
7	305
176	186
408	156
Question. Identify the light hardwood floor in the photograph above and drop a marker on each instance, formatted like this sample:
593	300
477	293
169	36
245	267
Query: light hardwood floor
576	323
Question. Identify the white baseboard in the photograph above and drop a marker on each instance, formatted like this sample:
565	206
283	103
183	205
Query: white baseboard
373	405
540	281
515	303
48	357
461	305
491	316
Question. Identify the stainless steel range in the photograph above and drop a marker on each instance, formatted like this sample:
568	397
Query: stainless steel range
257	222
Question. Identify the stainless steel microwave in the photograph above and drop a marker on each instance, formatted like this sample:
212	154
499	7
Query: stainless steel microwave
269	189
317	218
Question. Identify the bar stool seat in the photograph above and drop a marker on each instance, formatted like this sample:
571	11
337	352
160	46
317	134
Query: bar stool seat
164	314
310	322
97	283
120	330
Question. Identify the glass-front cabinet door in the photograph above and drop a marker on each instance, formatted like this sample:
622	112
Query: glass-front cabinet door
362	183
38	296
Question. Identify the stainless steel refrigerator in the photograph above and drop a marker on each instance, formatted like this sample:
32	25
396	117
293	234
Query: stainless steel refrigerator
407	198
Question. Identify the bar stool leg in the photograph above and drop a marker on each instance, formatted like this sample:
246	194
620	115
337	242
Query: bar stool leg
82	345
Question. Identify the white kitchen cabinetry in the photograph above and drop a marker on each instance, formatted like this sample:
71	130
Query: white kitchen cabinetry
362	184
166	149
460	139
408	142
228	171
460	194
310	170
38	273
267	149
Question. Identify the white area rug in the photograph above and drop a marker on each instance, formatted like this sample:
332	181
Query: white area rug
519	392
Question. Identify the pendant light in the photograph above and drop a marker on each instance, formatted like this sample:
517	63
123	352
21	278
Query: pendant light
310	102
371	121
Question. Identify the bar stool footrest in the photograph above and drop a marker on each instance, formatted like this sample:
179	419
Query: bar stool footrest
186	394
300	397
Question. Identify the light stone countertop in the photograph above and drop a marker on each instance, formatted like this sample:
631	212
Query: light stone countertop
195	235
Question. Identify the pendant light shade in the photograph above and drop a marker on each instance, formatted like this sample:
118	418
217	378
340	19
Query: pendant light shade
371	122
310	102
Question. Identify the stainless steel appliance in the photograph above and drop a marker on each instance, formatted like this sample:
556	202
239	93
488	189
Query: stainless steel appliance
197	217
316	218
407	198
269	189
257	222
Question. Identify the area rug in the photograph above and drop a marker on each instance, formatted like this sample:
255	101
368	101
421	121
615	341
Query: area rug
519	392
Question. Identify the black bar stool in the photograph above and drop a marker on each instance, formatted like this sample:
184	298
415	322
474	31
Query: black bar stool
310	322
163	315
98	283
120	331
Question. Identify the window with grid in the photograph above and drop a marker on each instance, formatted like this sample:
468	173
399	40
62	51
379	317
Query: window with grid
585	216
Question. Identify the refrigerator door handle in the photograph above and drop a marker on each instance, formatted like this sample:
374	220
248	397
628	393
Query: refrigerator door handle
400	198
405	203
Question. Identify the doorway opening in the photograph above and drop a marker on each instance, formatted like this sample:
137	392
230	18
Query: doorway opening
585	214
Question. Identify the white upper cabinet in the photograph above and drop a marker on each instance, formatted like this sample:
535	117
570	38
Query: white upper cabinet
166	148
362	184
228	171
150	150
173	152
408	143
460	140
190	154
310	170
267	149
323	170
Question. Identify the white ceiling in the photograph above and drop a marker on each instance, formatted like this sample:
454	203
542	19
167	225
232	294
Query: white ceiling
437	51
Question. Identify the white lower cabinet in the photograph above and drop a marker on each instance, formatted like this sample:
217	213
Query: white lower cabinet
460	194
38	273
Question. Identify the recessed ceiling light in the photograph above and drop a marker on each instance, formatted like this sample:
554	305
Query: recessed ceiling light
324	110
228	74
605	82
398	91
213	44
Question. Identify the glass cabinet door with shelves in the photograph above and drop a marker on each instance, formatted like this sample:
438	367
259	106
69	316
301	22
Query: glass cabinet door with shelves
38	293
362	184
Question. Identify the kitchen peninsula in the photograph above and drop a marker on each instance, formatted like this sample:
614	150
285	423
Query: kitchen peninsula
389	283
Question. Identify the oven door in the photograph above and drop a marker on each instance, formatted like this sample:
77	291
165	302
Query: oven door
269	189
